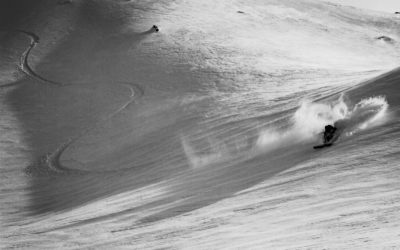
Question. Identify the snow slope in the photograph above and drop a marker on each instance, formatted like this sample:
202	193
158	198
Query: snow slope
198	136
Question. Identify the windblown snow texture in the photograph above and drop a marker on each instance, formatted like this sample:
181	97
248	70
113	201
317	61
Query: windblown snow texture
200	135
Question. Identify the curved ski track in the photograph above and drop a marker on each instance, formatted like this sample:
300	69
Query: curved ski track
51	160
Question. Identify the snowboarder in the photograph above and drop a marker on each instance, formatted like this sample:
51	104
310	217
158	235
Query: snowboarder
328	133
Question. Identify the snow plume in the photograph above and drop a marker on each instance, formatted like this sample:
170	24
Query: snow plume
310	119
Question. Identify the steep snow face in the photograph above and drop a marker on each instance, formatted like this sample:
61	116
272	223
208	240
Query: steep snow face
199	135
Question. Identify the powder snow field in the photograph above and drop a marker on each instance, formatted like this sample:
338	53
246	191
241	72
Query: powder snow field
201	135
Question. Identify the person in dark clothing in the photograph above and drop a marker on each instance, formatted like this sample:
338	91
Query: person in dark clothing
328	133
155	28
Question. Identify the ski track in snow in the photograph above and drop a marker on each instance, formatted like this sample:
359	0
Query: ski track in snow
50	161
343	197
